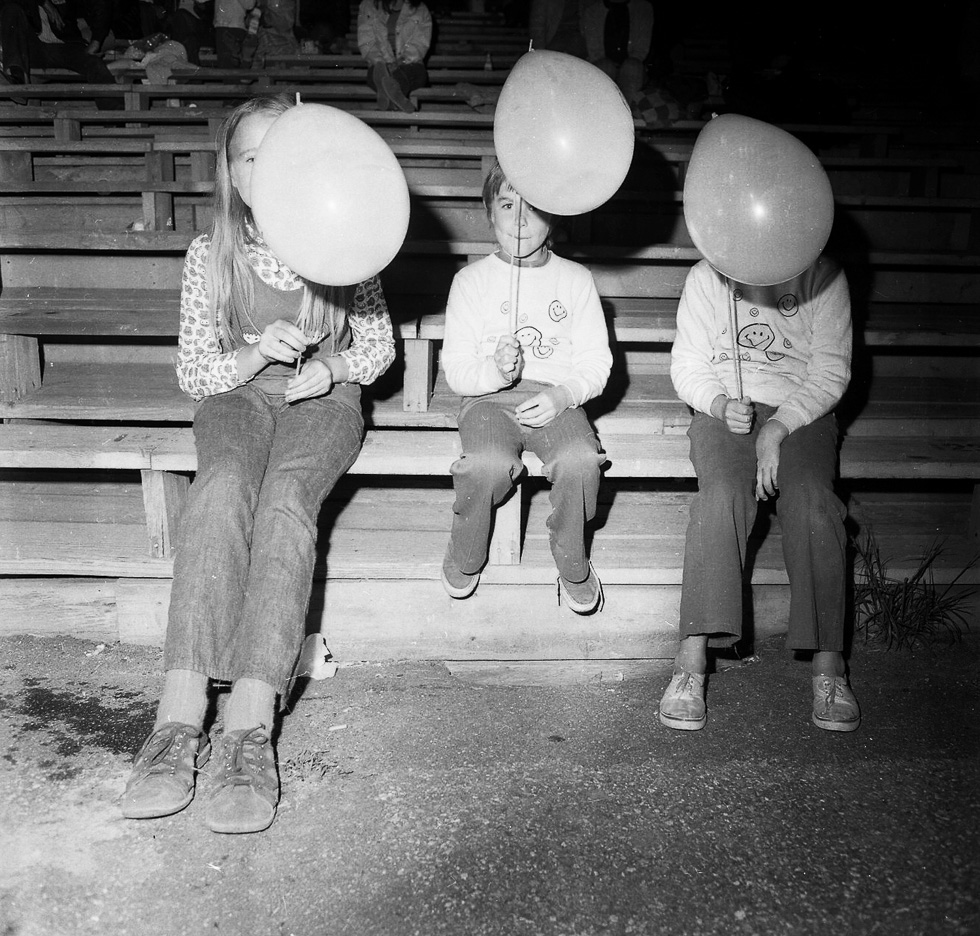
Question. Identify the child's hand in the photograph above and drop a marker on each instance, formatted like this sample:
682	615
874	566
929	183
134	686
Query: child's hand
737	415
281	341
315	379
508	357
543	407
767	445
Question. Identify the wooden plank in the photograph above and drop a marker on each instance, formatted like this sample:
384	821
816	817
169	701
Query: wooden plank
108	311
80	607
638	540
425	452
144	390
75	447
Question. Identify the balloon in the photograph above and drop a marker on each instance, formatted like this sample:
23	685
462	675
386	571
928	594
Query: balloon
329	195
563	133
757	202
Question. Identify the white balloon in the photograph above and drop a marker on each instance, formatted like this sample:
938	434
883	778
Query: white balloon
329	196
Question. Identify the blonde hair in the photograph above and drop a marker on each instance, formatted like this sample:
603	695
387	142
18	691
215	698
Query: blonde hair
229	274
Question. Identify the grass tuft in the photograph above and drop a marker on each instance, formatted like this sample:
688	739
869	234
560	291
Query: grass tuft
913	612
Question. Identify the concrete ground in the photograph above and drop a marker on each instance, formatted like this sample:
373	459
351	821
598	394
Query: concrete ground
419	802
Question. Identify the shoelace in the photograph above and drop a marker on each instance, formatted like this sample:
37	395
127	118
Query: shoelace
244	760
163	749
829	690
684	686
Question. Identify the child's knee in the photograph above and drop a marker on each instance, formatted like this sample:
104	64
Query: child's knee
578	464
493	470
724	495
812	501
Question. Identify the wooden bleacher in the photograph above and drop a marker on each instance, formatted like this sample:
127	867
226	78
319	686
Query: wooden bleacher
95	446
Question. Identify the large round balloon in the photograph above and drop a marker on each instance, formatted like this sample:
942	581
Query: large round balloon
563	133
757	202
328	195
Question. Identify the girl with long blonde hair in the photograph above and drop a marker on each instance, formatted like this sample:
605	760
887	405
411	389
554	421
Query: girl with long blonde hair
276	363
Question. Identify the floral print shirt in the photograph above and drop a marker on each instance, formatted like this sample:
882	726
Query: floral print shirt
203	369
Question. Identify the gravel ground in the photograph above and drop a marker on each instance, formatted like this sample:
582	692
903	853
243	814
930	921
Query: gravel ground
416	802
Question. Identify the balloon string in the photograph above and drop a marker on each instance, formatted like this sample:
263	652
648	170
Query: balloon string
302	320
515	270
733	325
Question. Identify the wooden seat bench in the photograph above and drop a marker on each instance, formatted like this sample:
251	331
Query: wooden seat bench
91	368
455	167
283	78
165	457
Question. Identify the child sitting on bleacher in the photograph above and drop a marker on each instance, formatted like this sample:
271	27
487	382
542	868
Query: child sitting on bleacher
394	37
778	440
279	423
524	379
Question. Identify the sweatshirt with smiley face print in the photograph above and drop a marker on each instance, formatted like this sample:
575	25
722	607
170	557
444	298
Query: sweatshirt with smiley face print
560	325
793	341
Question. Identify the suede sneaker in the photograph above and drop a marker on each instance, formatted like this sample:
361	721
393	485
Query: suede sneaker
682	706
834	705
247	793
582	597
396	96
165	771
457	584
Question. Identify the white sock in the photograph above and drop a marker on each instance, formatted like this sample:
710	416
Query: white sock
184	699
252	703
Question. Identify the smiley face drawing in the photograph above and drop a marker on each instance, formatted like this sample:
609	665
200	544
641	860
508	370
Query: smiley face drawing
788	305
556	311
530	337
759	337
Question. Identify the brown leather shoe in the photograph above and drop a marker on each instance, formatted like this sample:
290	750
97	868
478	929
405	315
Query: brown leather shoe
165	772
247	794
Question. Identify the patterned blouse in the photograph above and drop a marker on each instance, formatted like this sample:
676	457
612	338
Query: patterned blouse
203	369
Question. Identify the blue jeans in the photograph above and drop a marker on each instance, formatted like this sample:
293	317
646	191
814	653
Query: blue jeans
243	569
811	519
491	465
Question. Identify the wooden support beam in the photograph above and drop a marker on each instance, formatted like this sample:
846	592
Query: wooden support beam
67	128
158	207
16	166
20	367
163	498
419	374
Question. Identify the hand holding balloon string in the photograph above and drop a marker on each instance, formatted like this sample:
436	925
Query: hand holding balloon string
281	342
737	415
509	357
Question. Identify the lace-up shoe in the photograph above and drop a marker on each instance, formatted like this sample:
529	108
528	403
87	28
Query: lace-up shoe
834	705
165	771
247	793
682	706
